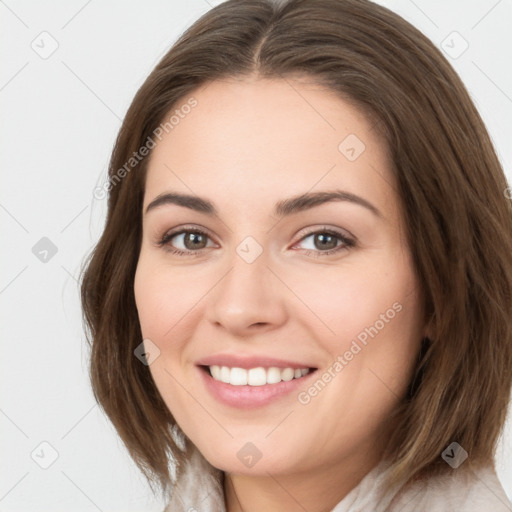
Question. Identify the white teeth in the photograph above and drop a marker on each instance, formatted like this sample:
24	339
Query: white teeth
287	374
238	377
255	376
273	375
224	374
215	371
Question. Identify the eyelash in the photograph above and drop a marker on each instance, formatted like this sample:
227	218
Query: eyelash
347	243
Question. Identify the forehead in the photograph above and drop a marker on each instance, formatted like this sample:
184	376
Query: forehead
248	139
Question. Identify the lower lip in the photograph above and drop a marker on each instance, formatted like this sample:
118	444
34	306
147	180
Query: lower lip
250	397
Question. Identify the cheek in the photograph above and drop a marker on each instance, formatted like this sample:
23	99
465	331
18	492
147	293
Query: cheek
343	301
148	298
162	297
372	316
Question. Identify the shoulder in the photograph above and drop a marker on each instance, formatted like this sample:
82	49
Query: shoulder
463	490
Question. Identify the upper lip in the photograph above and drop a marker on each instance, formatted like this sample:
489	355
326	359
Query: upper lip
247	362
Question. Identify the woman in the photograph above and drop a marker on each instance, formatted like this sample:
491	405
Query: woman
302	296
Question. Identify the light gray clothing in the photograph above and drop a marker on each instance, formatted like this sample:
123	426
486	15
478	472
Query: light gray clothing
463	490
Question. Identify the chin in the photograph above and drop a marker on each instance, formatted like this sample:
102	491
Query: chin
246	457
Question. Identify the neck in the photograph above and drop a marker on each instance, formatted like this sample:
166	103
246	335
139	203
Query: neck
319	489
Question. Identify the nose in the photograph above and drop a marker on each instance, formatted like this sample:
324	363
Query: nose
249	298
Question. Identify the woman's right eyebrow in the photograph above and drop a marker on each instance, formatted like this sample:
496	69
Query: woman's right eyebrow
281	209
188	201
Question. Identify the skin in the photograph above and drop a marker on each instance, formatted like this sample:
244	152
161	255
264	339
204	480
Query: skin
246	145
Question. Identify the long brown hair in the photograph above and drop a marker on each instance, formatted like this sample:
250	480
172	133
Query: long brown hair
451	188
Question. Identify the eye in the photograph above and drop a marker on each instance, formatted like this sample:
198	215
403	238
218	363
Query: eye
191	240
326	242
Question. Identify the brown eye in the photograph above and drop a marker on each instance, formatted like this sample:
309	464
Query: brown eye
325	242
194	240
186	241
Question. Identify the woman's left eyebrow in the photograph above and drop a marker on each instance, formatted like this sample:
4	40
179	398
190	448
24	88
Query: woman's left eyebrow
281	209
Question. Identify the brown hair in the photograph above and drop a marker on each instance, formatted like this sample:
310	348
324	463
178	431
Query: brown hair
449	181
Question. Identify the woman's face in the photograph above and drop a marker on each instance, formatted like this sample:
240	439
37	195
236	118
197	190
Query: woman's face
272	281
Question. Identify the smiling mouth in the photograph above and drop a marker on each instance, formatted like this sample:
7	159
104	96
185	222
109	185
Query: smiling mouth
258	376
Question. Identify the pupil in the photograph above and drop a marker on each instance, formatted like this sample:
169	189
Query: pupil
323	244
193	238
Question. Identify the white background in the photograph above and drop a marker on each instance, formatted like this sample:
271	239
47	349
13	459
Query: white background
60	116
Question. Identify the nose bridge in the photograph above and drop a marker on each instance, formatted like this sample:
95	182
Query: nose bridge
247	294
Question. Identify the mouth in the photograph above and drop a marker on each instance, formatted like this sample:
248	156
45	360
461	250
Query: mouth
248	381
255	377
254	388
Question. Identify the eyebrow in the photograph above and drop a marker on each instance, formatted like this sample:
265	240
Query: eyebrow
281	208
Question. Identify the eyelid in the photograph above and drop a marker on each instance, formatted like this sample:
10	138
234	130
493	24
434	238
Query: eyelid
322	228
347	239
301	234
188	228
